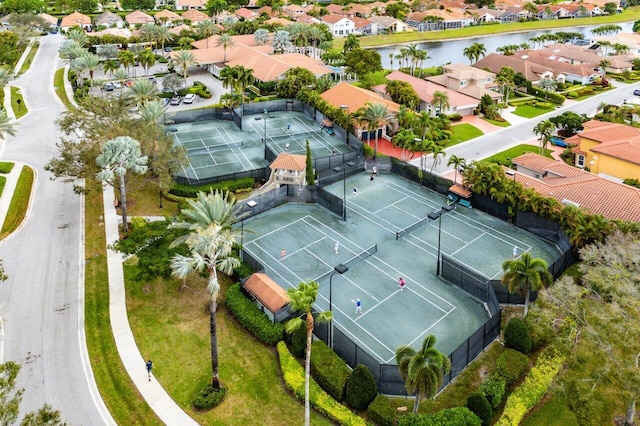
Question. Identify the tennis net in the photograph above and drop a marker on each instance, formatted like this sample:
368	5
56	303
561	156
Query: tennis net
218	147
411	228
354	260
290	136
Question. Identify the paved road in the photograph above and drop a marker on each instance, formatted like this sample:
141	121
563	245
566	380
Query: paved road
508	137
42	303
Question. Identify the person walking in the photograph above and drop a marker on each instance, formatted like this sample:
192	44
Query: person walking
149	365
283	254
515	252
337	247
375	170
373	175
401	283
355	192
358	306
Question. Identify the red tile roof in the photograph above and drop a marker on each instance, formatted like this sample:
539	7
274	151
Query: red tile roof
289	162
426	89
615	140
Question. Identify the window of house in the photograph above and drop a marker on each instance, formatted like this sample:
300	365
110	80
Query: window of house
580	160
463	83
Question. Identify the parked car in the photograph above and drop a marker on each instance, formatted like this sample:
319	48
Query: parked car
190	98
165	101
176	100
108	87
117	84
636	92
558	141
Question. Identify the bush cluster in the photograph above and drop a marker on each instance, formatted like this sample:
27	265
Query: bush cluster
191	191
297	341
479	405
252	318
361	389
382	412
511	365
453	117
458	416
517	336
209	398
242	271
294	379
552	96
493	389
329	370
533	388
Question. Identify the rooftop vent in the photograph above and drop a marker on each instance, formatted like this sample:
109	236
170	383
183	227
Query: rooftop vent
570	203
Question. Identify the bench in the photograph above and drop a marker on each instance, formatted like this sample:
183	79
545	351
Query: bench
452	198
465	203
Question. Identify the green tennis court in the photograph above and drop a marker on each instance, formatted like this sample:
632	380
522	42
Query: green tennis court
391	317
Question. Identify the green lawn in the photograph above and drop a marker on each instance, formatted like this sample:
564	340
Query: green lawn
497	123
27	62
6	166
17	102
19	202
58	83
516	151
553	412
529	111
463	132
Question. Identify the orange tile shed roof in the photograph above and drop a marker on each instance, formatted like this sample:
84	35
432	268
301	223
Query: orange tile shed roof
355	98
267	291
289	162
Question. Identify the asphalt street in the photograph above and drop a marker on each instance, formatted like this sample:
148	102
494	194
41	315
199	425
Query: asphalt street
41	304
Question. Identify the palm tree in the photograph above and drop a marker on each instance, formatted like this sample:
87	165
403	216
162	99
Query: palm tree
437	151
504	79
374	115
421	56
474	52
70	50
121	75
441	99
6	127
79	36
152	111
147	59
89	62
184	59
603	67
350	43
228	78
531	8
424	370
109	66
298	32
6	75
281	41
141	92
163	35
261	37
206	29
149	33
543	130
458	163
209	218
525	274
302	300
226	41
127	58
244	78
117	156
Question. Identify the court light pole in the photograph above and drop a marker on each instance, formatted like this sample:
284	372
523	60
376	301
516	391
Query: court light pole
348	122
264	140
340	269
344	186
438	215
251	204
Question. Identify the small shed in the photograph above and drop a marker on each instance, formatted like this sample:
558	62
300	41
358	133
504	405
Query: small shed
286	169
269	296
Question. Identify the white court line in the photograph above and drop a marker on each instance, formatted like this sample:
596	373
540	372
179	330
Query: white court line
278	229
417	218
244	165
317	228
469	243
369	218
413	195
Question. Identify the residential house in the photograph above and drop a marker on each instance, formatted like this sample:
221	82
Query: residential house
195	16
109	20
575	187
610	149
582	55
190	4
388	24
470	81
51	21
379	8
293	10
360	10
246	14
114	32
167	18
352	98
631	40
76	19
138	18
180	28
562	70
436	19
363	26
339	25
532	71
459	103
307	19
337	9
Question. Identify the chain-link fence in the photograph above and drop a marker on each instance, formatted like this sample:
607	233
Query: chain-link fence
257	174
195	115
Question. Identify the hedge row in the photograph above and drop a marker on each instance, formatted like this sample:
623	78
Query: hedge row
552	96
294	379
510	367
6	166
533	388
329	370
382	411
252	318
191	191
458	416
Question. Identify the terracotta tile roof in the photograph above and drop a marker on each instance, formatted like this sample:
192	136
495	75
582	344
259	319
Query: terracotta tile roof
615	140
194	15
169	15
76	18
267	291
426	89
363	9
544	59
268	67
336	9
51	19
278	21
355	98
333	18
117	32
289	162
179	28
494	62
307	19
360	22
191	3
138	17
594	194
247	14
108	18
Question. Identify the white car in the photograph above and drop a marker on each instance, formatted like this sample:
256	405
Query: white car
190	98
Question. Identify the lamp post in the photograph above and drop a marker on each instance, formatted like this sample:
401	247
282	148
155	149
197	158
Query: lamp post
348	122
264	111
344	186
251	204
438	215
340	269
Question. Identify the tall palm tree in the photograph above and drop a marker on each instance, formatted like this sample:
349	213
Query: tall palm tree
118	156
152	111
226	41
281	41
525	274
603	67
6	75
206	29
184	59
109	66
504	79
163	35
6	127
302	300
79	36
421	56
474	52
228	78
147	59
149	33
141	92
458	163
424	370
127	58
441	99
121	75
374	115
437	151
544	129
244	78
298	32
89	62
209	218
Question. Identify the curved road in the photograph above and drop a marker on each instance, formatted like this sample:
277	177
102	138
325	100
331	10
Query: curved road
42	302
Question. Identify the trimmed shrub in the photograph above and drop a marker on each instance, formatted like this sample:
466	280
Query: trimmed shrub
458	416
361	388
543	105
191	191
573	95
479	405
329	370
244	270
517	336
294	379
382	412
454	117
298	342
493	389
208	398
511	365
252	318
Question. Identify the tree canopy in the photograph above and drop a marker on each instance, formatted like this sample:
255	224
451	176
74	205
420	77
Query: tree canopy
403	93
363	61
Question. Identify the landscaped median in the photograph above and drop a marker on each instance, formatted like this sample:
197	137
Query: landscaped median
293	376
534	387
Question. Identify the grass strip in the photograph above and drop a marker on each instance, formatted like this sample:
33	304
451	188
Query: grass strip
118	392
19	202
497	123
6	166
58	83
463	132
29	59
17	102
511	153
528	111
3	182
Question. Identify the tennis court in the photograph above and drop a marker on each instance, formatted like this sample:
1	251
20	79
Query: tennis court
220	148
376	260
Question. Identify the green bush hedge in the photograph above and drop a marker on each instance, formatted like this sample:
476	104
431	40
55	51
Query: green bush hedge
458	416
493	389
479	405
191	191
382	412
3	182
573	95
252	318
511	365
293	376
361	389
517	336
6	166
329	370
543	105
242	271
297	341
207	398
551	96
